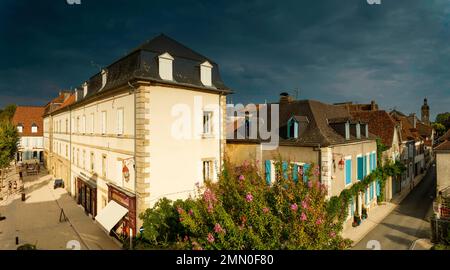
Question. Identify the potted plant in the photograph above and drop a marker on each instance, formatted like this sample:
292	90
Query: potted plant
356	221
364	214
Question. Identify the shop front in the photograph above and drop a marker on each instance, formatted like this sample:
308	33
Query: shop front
87	195
119	215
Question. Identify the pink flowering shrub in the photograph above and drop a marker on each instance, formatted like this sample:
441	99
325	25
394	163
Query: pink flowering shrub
242	212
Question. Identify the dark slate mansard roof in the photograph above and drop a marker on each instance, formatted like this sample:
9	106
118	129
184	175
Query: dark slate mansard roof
142	63
316	124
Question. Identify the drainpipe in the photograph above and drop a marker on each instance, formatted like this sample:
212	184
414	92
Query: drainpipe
220	133
320	162
70	150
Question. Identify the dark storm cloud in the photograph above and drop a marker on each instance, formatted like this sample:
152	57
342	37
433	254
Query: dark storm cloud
396	53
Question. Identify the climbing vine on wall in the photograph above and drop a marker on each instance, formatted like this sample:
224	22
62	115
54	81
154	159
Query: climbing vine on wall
338	205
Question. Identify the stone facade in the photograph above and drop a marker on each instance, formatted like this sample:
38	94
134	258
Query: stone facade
142	149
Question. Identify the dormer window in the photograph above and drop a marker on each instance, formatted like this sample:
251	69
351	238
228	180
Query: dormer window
166	66
347	130
358	131
292	128
85	89
206	73
366	127
104	78
20	128
34	128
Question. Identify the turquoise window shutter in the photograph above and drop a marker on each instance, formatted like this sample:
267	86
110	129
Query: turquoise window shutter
285	169
295	173
360	168
305	172
364	166
268	172
378	188
374	161
348	171
371	192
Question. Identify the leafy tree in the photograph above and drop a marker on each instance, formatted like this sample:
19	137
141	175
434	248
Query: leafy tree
7	113
440	129
444	119
9	140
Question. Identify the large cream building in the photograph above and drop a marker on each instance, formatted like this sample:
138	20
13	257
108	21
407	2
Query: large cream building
150	125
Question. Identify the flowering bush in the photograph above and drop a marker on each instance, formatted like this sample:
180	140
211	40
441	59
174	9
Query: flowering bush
241	211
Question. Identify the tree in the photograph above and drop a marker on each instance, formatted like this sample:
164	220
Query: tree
440	129
444	119
9	140
7	113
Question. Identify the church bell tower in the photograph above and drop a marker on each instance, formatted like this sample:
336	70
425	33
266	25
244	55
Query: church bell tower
425	112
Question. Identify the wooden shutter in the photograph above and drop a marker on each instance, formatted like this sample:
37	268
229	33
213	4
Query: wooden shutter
295	173
268	171
306	172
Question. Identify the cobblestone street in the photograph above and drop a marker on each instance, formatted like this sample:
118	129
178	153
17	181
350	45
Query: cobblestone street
37	220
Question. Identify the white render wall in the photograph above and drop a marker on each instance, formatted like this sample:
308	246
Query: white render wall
176	163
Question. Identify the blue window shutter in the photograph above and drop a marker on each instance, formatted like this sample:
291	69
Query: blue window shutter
285	167
360	168
364	166
348	171
378	188
371	192
268	172
295	173
374	160
305	172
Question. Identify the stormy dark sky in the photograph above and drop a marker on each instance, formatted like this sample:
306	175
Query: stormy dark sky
395	53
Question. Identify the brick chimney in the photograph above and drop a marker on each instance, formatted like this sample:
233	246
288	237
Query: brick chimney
285	98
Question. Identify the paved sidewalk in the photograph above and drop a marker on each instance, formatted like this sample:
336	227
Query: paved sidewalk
377	215
36	221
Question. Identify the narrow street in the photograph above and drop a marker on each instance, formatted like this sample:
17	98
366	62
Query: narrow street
37	220
409	221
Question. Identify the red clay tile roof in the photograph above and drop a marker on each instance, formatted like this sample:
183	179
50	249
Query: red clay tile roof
424	130
70	100
445	146
381	124
408	131
27	116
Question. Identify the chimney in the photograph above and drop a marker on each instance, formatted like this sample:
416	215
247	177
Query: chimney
285	98
373	106
413	120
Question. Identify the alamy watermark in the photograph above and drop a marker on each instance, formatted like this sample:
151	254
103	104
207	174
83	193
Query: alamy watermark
374	2
73	2
198	120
